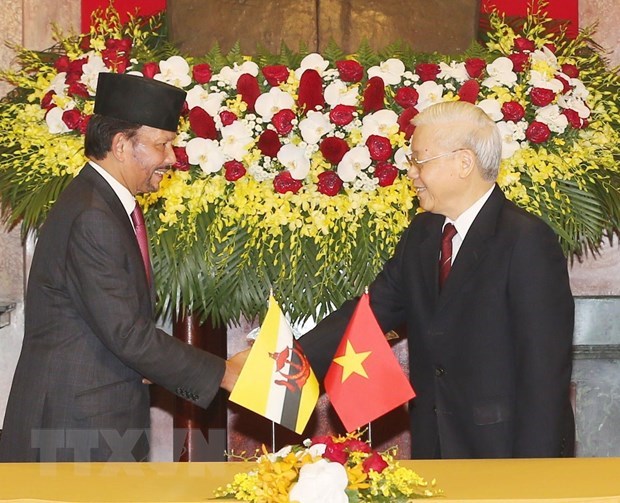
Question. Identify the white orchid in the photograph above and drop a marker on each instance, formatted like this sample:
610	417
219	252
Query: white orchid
500	73
353	163
454	70
269	104
382	123
174	71
493	108
511	133
320	482
93	67
231	75
205	153
314	127
58	84
312	61
544	81
295	159
390	71
574	103
429	93
236	140
54	121
553	117
210	102
338	93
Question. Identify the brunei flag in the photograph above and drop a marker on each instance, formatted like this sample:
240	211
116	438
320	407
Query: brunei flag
365	380
276	380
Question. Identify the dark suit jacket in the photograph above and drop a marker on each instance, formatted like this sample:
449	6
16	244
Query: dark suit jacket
490	356
90	338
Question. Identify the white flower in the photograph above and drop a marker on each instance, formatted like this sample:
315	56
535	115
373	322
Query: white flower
553	117
579	89
53	118
429	93
543	60
274	457
231	75
58	84
236	140
510	134
312	61
206	154
314	127
400	158
294	158
353	163
91	71
269	104
574	103
390	70
381	122
500	73
542	80
492	108
211	103
174	71
338	93
320	482
454	71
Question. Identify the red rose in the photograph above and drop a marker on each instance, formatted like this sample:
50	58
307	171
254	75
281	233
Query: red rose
341	115
47	102
427	71
336	453
72	77
519	61
574	120
310	94
202	124
469	91
182	162
513	111
275	74
233	170
269	143
474	67
122	45
357	445
406	97
350	70
524	45
76	65
551	47
374	462
202	73
149	70
541	97
374	95
283	121
227	117
379	147
329	183
77	89
333	149
116	60
83	125
537	132
284	182
566	87
247	87
72	118
404	121
85	43
386	173
570	70
62	64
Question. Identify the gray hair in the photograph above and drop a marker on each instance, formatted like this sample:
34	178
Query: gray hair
479	133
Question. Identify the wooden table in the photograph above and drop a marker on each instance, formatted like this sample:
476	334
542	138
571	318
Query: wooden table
514	480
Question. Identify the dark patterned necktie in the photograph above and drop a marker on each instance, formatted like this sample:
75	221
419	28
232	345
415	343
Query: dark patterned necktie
143	242
445	258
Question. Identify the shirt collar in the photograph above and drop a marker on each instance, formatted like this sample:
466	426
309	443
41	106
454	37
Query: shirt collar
126	197
466	219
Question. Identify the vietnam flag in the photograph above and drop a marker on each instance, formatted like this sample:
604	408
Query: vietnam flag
276	380
365	379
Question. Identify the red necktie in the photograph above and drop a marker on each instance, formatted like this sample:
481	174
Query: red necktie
143	242
445	258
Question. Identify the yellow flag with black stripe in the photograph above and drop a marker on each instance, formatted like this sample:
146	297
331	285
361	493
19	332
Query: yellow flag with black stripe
276	380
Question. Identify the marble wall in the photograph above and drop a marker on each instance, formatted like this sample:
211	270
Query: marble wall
27	22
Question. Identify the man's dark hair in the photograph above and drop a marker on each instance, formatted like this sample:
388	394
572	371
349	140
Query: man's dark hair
101	131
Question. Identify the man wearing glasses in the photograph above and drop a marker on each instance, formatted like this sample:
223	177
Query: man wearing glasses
482	287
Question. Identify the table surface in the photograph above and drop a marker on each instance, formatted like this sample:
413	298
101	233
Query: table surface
570	480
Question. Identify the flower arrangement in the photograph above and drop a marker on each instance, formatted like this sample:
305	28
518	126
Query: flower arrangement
291	171
331	469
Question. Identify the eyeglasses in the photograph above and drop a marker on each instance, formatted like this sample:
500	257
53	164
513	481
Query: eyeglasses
412	161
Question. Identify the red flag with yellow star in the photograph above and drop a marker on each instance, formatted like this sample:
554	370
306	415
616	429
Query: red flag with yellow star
364	366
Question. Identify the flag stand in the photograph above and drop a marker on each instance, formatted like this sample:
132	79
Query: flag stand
370	434
273	436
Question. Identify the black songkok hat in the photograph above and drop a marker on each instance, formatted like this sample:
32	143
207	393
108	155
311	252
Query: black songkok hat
139	100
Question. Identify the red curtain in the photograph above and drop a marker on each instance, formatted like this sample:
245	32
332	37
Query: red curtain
139	7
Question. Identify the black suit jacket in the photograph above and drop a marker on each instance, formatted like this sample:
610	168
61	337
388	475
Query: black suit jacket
490	356
90	338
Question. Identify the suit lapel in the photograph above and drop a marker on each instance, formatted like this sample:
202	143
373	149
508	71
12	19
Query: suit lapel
474	247
429	254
